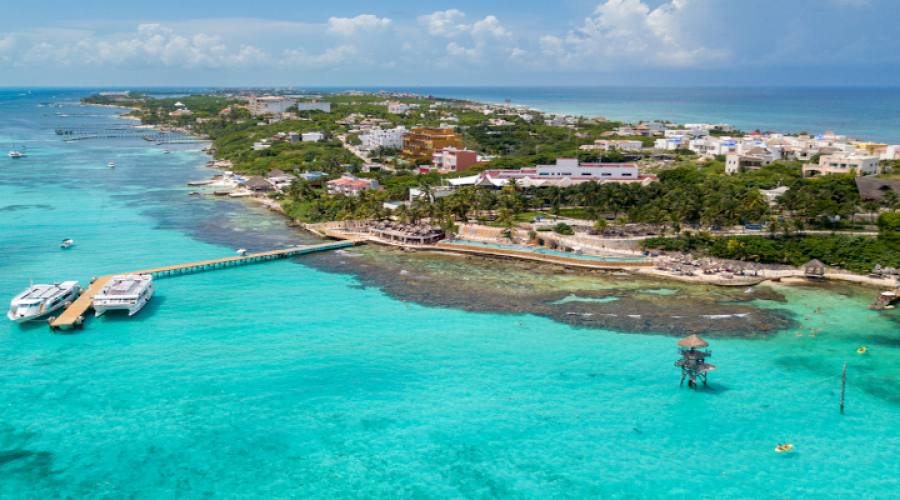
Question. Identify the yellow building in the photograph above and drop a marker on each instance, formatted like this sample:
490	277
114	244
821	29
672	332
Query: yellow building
872	148
420	143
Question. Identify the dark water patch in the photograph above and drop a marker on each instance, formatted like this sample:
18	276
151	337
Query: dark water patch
884	340
880	387
11	456
479	284
16	208
22	464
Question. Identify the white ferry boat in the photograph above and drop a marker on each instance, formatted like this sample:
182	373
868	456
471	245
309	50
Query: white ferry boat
38	301
129	292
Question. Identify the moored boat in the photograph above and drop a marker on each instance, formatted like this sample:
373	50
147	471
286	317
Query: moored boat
38	301
129	292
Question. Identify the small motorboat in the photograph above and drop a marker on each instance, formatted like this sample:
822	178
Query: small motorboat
782	448
66	243
16	154
111	164
242	251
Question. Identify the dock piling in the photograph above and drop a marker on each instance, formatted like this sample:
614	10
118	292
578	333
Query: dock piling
843	386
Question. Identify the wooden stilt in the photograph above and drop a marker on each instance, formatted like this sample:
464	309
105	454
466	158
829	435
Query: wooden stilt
843	386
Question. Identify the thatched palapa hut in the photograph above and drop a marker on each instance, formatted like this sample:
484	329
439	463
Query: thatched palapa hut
693	360
814	269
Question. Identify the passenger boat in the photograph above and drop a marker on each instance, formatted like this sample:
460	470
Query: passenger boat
38	301
129	292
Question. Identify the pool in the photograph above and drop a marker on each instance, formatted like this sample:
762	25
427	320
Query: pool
545	251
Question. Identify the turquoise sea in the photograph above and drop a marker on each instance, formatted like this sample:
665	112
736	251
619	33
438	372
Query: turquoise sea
283	380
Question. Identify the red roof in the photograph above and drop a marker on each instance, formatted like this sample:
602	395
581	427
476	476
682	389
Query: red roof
351	183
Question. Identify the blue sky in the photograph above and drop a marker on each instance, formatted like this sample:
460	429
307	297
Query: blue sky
463	42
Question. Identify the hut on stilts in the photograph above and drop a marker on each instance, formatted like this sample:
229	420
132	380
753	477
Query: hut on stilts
693	360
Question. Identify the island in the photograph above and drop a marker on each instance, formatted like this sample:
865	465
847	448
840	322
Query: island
695	202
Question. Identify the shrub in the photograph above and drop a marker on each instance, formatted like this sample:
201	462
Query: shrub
564	229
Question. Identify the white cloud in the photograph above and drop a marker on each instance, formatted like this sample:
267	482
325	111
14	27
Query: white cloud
552	45
7	47
517	53
618	35
456	50
631	33
445	23
334	56
350	25
150	45
490	27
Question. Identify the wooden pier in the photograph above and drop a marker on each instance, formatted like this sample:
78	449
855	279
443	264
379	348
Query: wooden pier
118	131
73	315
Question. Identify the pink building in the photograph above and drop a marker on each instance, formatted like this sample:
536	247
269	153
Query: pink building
351	185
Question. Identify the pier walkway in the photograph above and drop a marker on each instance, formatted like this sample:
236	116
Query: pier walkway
73	316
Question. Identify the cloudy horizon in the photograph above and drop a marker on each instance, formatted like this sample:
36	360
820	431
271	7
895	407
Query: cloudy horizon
401	43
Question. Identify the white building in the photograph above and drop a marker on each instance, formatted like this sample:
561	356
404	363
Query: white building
312	136
693	133
713	146
398	108
842	163
612	144
670	143
892	152
280	180
565	172
391	138
736	162
269	105
570	167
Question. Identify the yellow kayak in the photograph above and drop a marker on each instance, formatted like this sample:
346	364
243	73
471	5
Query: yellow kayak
781	448
862	349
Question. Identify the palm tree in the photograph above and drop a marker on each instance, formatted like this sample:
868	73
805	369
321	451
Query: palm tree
507	221
890	200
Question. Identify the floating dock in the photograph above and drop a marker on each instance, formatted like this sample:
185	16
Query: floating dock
73	316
